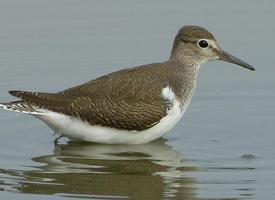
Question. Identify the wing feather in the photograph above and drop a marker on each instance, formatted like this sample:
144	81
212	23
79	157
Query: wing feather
128	100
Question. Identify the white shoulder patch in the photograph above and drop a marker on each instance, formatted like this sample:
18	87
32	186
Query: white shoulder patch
168	94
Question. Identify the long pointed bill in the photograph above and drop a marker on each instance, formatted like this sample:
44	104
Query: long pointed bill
232	59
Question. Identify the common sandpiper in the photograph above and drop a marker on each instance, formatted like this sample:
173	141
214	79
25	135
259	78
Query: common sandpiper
131	106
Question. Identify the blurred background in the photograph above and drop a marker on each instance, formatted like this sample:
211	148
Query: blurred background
223	148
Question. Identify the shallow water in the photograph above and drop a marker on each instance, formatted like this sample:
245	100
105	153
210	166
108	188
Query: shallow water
223	148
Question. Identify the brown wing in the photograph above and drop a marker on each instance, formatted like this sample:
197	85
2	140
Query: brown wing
120	113
129	99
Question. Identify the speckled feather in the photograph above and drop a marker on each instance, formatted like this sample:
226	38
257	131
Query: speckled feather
129	99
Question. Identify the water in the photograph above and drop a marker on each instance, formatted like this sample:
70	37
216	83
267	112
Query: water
223	148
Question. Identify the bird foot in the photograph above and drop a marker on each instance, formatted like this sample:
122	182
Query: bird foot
56	142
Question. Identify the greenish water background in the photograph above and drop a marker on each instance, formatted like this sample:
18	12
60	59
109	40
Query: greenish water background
222	148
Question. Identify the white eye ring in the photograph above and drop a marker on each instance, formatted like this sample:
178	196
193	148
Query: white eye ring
203	43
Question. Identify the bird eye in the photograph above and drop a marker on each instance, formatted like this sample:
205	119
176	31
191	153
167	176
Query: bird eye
203	43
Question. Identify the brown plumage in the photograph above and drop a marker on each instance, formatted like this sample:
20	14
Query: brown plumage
132	99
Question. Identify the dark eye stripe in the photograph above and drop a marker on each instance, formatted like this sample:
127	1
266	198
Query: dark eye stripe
190	41
195	42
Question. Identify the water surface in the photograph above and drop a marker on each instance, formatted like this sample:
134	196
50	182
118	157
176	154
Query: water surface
223	148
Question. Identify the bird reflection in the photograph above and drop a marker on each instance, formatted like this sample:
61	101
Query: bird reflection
147	171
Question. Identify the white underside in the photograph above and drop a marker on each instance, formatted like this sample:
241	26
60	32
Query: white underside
76	129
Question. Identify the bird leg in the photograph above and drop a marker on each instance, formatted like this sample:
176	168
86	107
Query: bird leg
56	140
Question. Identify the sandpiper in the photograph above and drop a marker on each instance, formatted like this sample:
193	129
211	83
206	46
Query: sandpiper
130	106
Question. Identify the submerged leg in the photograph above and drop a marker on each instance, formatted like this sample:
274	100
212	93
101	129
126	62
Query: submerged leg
56	140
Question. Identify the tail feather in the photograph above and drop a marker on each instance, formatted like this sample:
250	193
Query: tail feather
38	103
23	107
44	99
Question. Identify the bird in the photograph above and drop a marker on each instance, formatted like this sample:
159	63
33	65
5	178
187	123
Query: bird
132	106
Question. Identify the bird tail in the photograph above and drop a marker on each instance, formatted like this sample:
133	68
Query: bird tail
23	107
37	103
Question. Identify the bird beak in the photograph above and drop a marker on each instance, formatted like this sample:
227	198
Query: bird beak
232	59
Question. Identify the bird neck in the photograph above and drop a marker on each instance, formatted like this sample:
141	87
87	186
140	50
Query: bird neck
183	56
183	78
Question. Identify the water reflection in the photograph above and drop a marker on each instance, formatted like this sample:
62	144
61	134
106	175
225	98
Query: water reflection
149	171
